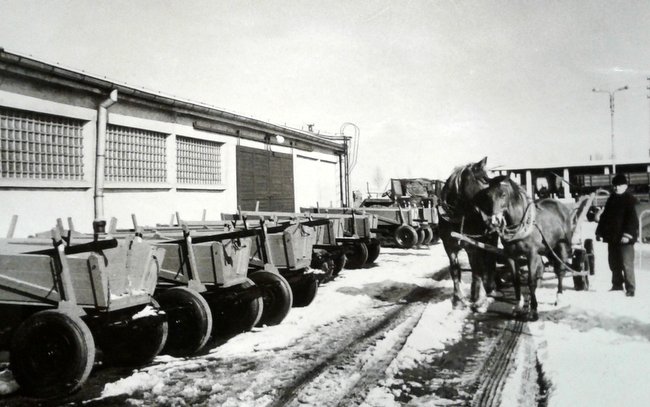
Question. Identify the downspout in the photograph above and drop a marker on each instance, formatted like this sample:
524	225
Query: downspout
102	121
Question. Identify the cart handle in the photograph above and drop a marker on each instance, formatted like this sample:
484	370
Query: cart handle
94	246
217	237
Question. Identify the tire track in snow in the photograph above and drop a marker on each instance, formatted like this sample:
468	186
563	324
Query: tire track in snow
496	366
353	366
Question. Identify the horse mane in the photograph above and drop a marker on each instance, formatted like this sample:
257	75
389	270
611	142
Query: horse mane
452	196
453	182
515	191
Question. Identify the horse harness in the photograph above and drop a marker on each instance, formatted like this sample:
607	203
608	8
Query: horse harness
523	229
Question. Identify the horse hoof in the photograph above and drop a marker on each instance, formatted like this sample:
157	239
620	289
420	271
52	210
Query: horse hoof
458	303
480	309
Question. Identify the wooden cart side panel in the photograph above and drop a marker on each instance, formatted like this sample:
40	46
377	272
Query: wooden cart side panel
132	267
98	280
326	234
229	262
299	242
30	279
171	265
277	248
23	277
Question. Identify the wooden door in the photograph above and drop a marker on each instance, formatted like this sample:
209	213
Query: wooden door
266	177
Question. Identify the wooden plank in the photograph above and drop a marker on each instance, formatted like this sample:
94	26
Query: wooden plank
12	226
478	244
23	277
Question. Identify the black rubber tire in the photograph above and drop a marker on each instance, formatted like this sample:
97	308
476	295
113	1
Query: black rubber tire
357	257
276	295
374	248
304	290
322	262
189	320
405	236
435	235
135	344
339	263
237	316
580	263
428	235
421	236
591	258
52	354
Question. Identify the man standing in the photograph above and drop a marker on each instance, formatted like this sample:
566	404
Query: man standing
619	228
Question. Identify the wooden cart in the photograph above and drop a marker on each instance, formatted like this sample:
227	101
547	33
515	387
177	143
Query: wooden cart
355	230
59	303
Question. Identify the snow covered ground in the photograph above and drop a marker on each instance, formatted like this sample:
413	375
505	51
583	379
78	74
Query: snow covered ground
593	349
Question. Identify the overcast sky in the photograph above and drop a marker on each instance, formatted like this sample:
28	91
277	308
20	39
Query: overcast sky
430	84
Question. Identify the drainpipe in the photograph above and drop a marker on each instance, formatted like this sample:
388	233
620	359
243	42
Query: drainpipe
102	120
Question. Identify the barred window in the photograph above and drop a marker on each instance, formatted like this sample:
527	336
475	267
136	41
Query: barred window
135	155
40	146
198	161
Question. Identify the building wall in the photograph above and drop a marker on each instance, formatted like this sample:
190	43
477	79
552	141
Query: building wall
317	180
39	202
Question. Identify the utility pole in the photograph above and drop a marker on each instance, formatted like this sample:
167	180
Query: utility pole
648	87
611	110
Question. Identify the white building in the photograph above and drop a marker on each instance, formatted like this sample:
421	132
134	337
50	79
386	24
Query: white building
81	147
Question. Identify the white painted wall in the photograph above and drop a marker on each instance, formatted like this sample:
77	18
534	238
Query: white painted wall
316	178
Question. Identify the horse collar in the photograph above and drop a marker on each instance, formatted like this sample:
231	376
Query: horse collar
524	228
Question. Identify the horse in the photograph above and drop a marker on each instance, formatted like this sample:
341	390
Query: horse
530	229
457	214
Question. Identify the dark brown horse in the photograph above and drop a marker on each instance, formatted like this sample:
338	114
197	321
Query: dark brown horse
528	229
458	214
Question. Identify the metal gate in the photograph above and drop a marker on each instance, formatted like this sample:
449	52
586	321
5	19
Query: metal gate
266	177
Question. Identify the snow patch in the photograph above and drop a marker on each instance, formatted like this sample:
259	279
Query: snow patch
139	381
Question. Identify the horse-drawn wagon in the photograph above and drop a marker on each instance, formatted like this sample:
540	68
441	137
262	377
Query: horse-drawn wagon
477	212
59	303
530	231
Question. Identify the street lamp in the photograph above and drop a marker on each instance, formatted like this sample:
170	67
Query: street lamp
611	109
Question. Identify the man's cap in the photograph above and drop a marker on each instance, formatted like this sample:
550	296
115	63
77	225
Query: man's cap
619	179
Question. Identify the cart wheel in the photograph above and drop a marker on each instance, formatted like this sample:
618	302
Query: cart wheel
421	236
374	247
52	354
357	257
435	235
189	320
428	235
304	290
339	263
276	295
136	343
591	258
324	263
237	316
581	263
405	236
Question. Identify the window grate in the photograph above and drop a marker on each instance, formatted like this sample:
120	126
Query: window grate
198	161
135	155
40	146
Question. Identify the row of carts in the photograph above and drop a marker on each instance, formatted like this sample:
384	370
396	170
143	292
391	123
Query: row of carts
120	297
